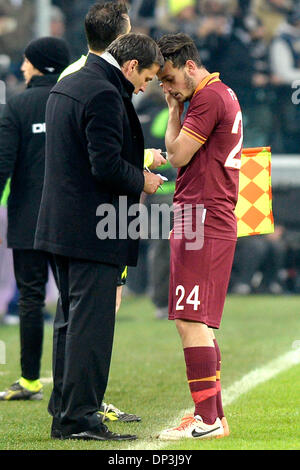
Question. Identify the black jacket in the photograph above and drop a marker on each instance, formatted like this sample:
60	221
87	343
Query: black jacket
94	154
22	157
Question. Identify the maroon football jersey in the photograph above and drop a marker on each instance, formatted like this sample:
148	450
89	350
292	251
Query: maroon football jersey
211	178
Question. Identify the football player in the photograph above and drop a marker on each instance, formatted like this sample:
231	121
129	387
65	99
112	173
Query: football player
206	147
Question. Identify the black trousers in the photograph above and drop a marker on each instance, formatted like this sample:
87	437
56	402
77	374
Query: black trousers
82	342
31	269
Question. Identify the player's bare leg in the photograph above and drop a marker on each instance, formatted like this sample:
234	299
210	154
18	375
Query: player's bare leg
194	334
118	298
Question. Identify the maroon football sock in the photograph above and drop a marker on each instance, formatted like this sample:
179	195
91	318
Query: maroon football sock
201	374
218	381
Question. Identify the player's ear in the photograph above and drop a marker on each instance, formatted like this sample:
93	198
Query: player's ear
190	66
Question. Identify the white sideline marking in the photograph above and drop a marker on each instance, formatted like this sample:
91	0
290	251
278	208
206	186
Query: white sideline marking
232	393
260	375
46	380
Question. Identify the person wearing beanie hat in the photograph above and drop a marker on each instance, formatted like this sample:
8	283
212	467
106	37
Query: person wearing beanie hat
22	160
48	55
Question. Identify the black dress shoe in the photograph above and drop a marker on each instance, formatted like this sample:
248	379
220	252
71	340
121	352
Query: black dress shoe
56	434
100	433
55	429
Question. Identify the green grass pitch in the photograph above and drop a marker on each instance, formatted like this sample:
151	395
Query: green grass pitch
148	378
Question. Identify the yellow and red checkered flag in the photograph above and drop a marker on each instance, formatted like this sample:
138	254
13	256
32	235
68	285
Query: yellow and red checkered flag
254	207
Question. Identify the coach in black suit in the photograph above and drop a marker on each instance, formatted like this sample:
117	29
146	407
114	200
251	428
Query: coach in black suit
94	154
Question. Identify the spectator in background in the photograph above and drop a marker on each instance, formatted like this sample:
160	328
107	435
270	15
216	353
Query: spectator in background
143	15
271	13
208	23
285	65
262	256
243	7
57	22
247	53
74	31
179	15
217	7
16	27
216	20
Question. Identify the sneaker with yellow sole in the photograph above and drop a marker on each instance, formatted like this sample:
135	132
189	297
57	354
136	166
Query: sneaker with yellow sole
112	413
17	392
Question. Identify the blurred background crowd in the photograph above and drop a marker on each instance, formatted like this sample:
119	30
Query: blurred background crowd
255	45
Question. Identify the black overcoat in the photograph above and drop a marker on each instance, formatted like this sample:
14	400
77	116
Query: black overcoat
94	155
22	158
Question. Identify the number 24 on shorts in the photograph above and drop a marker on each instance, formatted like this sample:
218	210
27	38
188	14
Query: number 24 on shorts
191	299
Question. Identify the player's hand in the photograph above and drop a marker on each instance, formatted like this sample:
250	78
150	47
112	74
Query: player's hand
152	182
158	159
175	106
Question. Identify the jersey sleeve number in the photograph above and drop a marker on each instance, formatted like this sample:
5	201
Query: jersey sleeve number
191	299
231	160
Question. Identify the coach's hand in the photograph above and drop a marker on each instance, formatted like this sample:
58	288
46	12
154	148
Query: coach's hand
152	182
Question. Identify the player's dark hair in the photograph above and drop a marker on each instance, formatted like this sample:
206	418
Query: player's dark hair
178	48
104	22
136	46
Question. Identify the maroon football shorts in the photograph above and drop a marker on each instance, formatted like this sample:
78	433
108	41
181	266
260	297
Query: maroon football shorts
199	280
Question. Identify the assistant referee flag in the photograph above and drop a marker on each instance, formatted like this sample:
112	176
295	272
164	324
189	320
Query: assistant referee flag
254	207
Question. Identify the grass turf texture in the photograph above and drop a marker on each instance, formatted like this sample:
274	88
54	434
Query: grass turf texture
148	378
